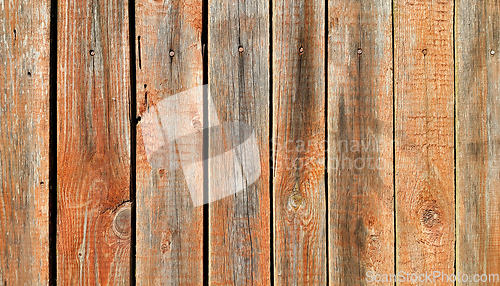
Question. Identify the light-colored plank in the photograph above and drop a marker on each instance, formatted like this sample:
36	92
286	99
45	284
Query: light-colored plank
169	68
478	135
93	111
239	89
424	136
298	142
24	142
360	127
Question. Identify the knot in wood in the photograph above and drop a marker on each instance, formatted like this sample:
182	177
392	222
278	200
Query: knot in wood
121	225
165	246
430	217
196	122
296	200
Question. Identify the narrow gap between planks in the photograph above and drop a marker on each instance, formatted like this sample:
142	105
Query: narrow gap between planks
53	144
206	209
133	139
271	151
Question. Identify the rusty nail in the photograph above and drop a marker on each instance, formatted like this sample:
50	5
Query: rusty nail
92	53
171	53
240	49
360	51
424	51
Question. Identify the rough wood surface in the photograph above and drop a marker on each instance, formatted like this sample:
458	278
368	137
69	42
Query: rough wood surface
169	225
24	142
478	135
239	89
424	148
93	110
298	142
360	127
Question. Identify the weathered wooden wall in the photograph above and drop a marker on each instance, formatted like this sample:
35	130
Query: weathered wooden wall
376	125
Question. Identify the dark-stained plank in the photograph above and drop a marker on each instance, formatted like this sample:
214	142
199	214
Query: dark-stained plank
240	92
360	142
93	153
424	136
169	70
24	142
477	41
298	142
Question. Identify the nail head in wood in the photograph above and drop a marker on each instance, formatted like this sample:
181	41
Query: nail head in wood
301	50
92	53
171	53
424	51
360	51
492	52
240	49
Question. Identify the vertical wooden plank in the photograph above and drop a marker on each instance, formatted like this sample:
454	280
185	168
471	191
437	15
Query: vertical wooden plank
298	141
93	231
239	90
24	142
360	143
424	150
478	136
169	225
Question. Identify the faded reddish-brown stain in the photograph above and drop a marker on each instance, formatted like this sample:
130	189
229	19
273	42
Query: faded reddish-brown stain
298	116
24	142
93	107
93	244
360	103
239	76
424	94
477	45
169	229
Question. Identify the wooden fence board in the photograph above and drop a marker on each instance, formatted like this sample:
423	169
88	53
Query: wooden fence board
24	142
239	72
298	142
93	110
360	129
478	135
424	134
169	225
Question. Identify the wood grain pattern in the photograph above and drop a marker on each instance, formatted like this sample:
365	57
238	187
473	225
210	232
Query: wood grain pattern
424	134
169	225
298	142
93	109
360	143
478	136
24	142
239	89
